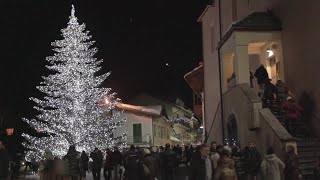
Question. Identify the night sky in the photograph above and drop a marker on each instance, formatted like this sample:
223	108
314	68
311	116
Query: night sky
135	38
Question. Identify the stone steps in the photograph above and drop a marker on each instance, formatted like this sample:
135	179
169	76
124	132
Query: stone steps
308	147
308	150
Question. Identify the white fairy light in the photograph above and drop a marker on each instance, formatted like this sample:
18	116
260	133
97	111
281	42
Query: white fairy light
73	112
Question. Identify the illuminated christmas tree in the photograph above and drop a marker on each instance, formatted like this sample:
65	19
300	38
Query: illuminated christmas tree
75	109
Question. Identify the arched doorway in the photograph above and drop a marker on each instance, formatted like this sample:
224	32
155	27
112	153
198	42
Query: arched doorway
232	130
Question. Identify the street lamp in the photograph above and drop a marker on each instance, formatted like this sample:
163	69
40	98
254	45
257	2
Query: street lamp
10	131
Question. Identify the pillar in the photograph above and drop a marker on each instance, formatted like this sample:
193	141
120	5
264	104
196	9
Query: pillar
241	64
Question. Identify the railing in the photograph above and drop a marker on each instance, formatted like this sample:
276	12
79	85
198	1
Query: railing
139	139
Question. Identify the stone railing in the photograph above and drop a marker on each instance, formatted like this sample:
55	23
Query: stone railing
274	134
253	123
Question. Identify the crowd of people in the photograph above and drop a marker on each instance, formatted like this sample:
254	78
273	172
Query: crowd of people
234	163
215	162
280	93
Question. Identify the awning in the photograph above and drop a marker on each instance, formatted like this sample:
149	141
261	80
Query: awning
195	79
174	139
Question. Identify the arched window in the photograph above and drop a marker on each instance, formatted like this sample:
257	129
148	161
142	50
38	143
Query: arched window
232	130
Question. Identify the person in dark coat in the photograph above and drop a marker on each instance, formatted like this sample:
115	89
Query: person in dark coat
169	163
131	164
108	165
252	159
196	153
116	162
291	170
84	166
261	74
269	93
73	159
4	162
150	163
97	164
155	154
202	167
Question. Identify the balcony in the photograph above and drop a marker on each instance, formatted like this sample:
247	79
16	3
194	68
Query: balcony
139	140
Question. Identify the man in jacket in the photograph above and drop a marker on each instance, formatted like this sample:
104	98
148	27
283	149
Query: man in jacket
202	168
155	154
169	163
117	162
84	164
261	74
270	91
108	165
97	158
271	166
73	159
131	164
150	163
252	159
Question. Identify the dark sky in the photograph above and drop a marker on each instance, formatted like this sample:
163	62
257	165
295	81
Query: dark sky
135	39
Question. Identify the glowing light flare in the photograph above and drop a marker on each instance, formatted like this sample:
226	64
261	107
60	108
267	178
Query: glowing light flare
270	53
106	101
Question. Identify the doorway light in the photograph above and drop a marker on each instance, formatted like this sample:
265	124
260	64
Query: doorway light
270	52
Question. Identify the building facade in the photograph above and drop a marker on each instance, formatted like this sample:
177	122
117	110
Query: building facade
239	36
280	34
153	122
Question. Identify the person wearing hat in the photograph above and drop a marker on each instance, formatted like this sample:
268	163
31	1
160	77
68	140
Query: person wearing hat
292	113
